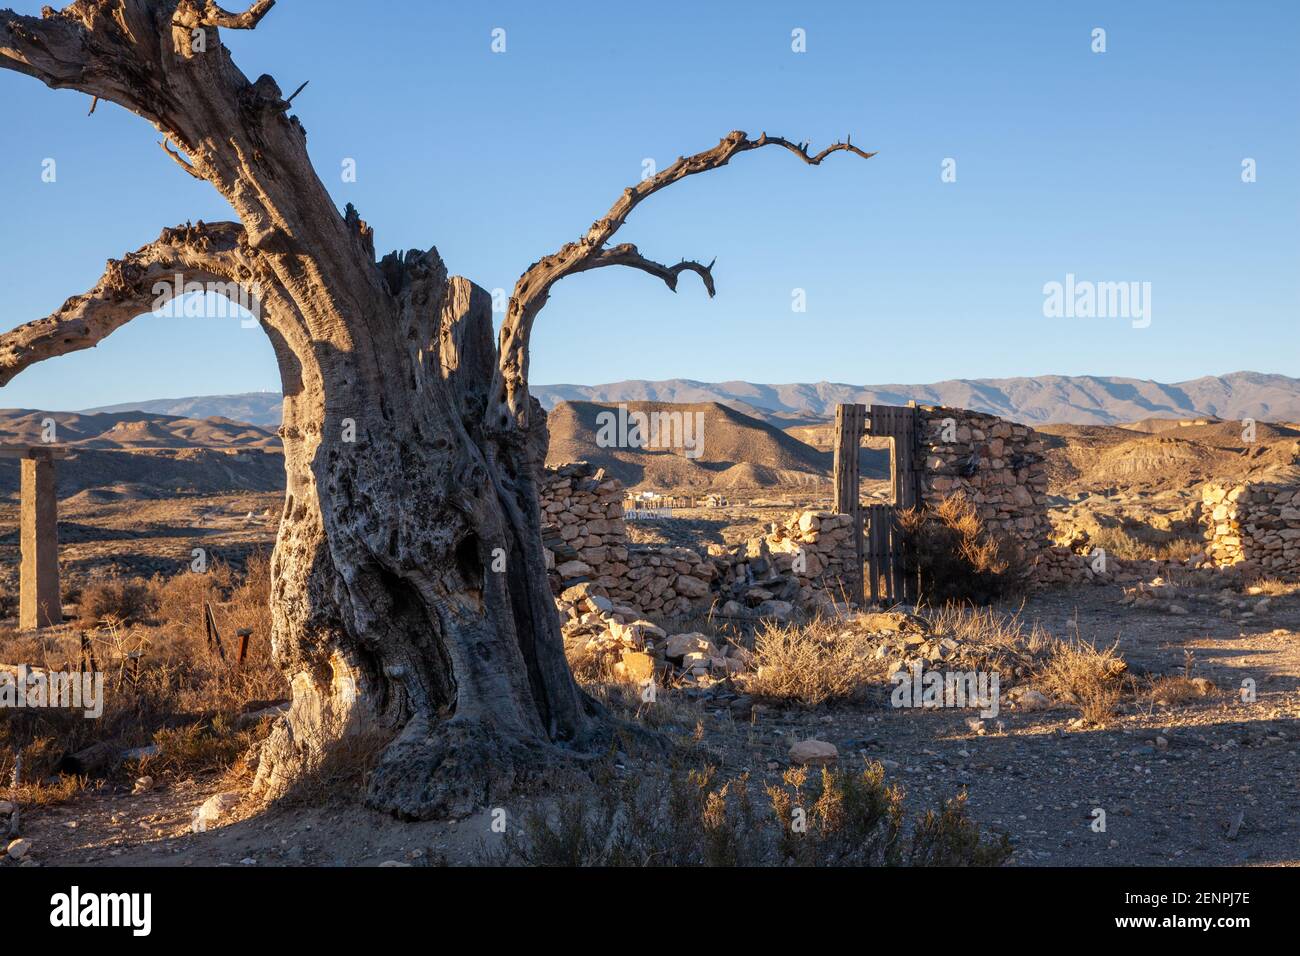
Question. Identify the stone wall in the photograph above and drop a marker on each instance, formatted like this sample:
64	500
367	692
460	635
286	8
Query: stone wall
799	562
997	465
585	536
1255	527
582	524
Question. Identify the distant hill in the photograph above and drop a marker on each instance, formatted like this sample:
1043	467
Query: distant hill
132	455
1078	400
257	408
736	451
132	429
1044	399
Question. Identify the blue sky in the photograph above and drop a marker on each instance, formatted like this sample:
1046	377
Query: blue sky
1115	166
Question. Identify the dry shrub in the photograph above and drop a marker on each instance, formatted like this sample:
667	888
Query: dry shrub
588	665
180	598
999	633
1118	543
117	600
956	557
1079	672
187	699
815	663
199	747
1271	587
846	819
1176	689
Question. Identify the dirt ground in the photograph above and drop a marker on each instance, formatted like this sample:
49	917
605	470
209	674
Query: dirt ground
1213	782
144	536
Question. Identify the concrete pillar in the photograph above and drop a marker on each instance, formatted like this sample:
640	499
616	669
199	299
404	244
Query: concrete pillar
40	603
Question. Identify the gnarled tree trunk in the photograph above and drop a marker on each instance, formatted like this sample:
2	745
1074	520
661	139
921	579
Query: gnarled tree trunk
409	593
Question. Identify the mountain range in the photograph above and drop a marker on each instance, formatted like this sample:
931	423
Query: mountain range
1037	400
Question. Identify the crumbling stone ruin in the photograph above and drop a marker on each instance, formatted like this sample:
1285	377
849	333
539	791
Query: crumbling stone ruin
802	563
999	466
1255	527
585	535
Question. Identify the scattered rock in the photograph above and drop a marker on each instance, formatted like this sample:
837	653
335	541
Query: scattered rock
638	667
1033	700
813	752
212	809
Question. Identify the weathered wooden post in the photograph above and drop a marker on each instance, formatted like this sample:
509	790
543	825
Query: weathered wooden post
850	421
887	551
213	635
40	603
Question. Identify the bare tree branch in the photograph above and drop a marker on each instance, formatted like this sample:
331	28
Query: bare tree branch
214	16
626	254
117	50
181	161
130	286
510	387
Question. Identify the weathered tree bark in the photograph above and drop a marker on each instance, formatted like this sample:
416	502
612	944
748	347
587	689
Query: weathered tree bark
409	590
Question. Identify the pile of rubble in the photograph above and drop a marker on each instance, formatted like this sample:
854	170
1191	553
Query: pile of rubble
636	650
798	564
1168	597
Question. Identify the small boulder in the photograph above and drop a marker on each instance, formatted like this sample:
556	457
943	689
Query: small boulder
213	808
780	611
1033	700
638	667
679	645
813	752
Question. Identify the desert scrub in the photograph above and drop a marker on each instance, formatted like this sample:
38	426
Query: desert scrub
1172	690
1091	678
1118	543
116	601
839	818
163	684
818	662
956	557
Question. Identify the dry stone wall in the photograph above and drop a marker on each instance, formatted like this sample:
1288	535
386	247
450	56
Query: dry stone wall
999	466
1255	527
585	536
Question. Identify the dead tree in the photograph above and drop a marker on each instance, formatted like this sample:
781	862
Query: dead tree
388	615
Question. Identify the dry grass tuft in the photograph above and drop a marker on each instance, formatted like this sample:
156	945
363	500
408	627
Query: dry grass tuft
1118	543
1173	690
1079	672
957	557
691	819
818	662
1272	587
